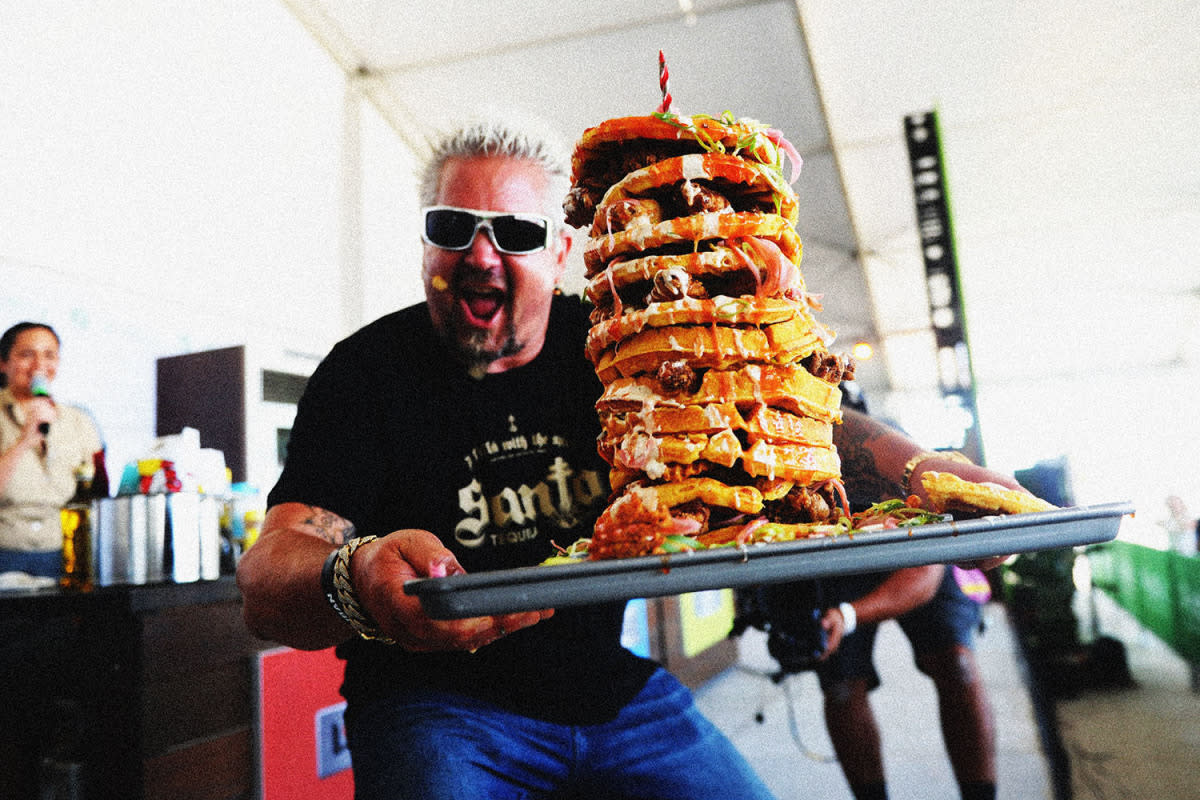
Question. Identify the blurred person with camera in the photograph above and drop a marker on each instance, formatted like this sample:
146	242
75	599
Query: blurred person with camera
939	619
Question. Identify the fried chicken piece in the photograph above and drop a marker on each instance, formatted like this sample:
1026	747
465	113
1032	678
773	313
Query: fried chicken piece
801	504
829	367
629	528
698	199
676	376
626	214
670	284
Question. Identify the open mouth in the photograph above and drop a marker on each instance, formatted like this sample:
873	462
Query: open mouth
482	304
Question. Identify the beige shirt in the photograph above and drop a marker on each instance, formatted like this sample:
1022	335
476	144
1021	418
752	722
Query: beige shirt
42	483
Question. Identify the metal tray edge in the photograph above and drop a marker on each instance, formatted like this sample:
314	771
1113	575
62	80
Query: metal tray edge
526	588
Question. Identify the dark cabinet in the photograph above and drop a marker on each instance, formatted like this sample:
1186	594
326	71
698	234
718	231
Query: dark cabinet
128	692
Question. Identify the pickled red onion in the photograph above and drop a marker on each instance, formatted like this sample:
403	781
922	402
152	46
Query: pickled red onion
776	136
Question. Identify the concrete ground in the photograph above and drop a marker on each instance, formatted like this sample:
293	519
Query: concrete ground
796	761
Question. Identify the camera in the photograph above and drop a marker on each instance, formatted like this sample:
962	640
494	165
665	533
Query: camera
798	647
790	615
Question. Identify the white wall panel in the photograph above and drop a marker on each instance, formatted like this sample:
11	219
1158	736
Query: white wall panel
170	178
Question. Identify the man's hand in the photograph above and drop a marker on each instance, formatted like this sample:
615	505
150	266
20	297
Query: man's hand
834	625
283	601
898	593
379	570
968	472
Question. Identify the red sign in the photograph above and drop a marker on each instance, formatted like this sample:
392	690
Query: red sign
302	740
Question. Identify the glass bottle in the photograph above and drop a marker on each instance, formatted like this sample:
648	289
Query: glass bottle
91	482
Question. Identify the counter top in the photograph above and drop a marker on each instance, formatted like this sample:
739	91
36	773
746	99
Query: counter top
135	598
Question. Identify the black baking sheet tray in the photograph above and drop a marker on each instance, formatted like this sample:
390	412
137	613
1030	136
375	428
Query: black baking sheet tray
562	585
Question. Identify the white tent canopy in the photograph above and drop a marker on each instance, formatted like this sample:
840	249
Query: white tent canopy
1068	132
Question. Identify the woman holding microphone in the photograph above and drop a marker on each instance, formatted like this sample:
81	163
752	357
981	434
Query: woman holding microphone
44	448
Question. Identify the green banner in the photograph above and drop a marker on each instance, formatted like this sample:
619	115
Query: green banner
1160	589
1187	581
1155	592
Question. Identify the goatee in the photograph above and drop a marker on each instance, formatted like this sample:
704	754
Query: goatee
476	355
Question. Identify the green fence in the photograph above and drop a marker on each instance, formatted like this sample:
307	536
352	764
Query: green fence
1161	589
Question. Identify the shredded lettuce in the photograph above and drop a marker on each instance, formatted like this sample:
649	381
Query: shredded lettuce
885	514
899	512
677	543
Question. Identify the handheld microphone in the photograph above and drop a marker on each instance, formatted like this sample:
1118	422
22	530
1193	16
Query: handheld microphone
41	388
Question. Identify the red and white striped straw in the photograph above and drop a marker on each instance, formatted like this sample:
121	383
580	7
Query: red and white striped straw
663	76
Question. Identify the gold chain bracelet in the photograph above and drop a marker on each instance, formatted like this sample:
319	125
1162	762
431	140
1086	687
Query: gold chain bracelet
351	610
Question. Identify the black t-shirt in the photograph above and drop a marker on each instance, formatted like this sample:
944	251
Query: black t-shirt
391	433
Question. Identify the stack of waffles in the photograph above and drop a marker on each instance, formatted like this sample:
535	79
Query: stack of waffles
720	394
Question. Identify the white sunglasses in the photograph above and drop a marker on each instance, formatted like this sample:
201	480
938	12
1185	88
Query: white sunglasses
453	228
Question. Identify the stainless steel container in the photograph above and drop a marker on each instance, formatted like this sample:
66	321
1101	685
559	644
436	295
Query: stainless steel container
148	538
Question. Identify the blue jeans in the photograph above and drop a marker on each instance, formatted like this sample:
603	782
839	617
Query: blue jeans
435	746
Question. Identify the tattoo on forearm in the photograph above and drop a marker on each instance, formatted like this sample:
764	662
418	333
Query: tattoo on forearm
860	471
329	526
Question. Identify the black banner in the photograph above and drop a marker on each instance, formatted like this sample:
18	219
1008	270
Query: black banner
955	376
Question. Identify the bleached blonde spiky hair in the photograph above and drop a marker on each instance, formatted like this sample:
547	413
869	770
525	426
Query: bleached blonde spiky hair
511	136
